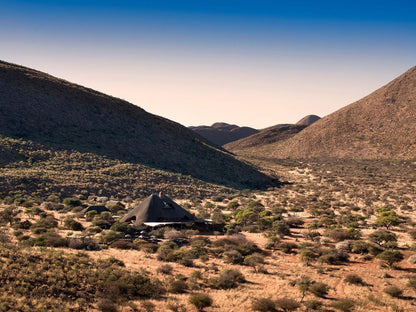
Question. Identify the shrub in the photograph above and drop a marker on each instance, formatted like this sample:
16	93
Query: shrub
124	244
393	291
294	222
319	289
313	304
390	256
287	247
248	249
72	202
111	236
177	287
353	279
165	269
228	278
307	255
73	225
287	304
344	305
360	247
254	260
264	305
281	228
383	238
201	301
272	242
334	257
105	305
233	257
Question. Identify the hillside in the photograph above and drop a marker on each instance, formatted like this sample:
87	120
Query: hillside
222	133
308	120
59	115
267	136
381	125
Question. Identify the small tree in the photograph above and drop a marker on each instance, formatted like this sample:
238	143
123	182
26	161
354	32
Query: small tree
390	256
200	301
303	285
387	219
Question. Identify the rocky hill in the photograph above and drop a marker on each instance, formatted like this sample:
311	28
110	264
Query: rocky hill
382	125
267	136
221	133
59	115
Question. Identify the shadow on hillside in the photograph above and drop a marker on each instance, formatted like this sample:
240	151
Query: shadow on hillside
225	170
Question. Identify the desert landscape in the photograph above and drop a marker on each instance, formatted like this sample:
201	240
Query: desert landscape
217	156
321	233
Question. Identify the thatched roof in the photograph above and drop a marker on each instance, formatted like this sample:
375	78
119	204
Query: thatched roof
158	209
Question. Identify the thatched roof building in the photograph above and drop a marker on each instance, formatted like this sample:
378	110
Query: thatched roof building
159	210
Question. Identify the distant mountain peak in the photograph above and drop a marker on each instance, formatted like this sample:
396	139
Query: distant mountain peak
221	133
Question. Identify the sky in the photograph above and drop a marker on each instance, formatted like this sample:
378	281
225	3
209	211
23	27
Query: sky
252	63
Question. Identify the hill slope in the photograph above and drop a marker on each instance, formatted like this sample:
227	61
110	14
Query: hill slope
222	133
60	115
381	125
267	136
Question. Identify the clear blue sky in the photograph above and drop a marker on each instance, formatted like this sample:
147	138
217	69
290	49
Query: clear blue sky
255	63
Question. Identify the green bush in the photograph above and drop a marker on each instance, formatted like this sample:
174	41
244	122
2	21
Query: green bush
390	256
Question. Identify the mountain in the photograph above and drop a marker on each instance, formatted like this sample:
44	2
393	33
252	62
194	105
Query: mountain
266	136
221	133
382	125
308	120
59	115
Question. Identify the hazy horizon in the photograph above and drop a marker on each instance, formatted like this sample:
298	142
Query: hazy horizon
251	63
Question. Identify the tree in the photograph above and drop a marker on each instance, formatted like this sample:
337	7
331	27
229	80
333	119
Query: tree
303	285
390	256
383	238
387	219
